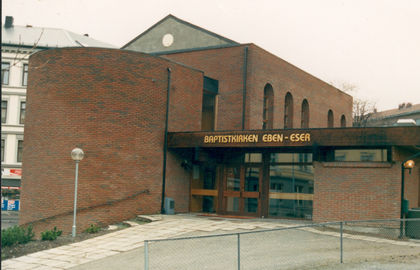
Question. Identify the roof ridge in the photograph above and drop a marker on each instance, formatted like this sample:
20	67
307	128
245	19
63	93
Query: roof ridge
66	33
203	29
396	112
183	22
49	37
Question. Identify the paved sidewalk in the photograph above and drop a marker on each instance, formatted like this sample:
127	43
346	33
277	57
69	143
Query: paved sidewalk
71	255
166	226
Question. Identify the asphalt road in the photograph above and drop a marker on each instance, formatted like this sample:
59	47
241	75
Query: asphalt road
291	249
9	219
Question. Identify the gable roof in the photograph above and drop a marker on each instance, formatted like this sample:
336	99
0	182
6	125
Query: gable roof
399	112
224	40
44	37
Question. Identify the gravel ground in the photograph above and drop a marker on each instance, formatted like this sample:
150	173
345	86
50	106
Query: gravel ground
291	249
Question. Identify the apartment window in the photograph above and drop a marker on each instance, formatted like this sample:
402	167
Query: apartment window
22	112
3	111
361	155
304	122
2	149
288	111
19	151
25	75
268	107
5	70
330	119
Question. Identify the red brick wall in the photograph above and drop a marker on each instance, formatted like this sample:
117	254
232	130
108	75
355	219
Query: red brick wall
356	191
225	65
178	183
110	103
264	67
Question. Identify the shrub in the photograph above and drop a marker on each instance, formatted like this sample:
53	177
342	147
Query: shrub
16	235
93	229
50	235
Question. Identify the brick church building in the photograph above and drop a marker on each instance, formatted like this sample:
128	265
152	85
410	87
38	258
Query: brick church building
184	117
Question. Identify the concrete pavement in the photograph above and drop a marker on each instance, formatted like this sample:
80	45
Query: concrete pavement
167	226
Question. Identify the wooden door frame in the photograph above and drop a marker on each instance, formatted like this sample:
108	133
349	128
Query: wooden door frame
241	194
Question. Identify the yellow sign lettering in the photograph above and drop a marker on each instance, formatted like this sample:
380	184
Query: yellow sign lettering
253	138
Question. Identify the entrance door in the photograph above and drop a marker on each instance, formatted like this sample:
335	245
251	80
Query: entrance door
242	189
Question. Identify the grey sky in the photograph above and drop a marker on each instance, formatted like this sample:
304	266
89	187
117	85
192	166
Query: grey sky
373	44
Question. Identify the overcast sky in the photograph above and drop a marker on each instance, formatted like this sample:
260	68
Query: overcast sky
372	44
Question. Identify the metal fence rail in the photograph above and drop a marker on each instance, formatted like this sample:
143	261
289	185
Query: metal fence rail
288	247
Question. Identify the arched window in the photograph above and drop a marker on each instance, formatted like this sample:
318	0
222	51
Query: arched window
343	121
330	119
304	118
288	111
268	107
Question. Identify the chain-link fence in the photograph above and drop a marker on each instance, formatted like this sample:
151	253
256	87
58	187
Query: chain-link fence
297	247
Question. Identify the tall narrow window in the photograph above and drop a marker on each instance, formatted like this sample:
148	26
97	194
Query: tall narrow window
25	75
343	121
22	112
330	119
268	107
5	69
2	149
304	122
209	105
19	151
207	117
3	111
288	111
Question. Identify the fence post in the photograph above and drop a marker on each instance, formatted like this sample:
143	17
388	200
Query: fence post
341	242
146	255
239	251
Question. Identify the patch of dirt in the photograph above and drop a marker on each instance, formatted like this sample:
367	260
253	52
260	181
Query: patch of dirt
39	245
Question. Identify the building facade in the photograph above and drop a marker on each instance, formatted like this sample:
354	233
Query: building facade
406	114
18	43
215	127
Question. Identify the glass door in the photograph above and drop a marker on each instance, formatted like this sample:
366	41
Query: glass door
251	190
242	189
232	189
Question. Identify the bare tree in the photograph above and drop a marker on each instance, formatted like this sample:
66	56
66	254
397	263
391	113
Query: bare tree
362	109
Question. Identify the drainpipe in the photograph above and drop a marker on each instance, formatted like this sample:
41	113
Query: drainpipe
165	143
245	70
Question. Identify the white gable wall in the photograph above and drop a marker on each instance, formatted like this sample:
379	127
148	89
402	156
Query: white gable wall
184	37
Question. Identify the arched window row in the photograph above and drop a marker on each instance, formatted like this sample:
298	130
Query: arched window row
268	111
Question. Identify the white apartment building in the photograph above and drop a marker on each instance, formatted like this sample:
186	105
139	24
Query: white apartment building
17	44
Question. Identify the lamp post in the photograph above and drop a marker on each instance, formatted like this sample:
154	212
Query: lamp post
406	164
77	155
